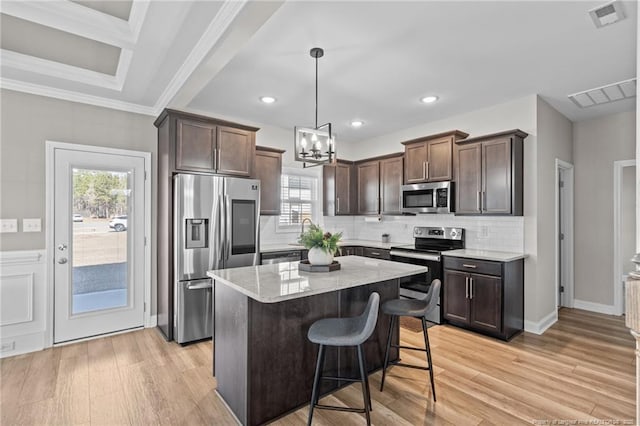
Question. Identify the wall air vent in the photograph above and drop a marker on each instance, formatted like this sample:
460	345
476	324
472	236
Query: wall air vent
607	14
606	94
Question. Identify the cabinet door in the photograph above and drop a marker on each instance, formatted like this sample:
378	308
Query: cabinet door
485	295
268	169
329	190
236	150
391	174
439	159
415	163
368	188
468	180
343	189
454	296
496	176
195	146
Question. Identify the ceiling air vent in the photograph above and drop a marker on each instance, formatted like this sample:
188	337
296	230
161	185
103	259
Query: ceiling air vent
603	95
607	14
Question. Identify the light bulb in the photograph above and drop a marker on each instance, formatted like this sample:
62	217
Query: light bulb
303	143
318	145
314	137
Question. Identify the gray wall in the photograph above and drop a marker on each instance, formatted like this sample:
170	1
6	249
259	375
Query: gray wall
555	140
27	122
597	144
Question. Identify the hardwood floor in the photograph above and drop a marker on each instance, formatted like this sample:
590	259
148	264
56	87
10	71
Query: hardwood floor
582	368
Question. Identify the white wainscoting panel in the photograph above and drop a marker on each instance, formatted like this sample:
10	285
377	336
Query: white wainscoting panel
16	298
23	295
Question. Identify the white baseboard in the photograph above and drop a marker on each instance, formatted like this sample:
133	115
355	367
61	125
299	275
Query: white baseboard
594	307
23	344
542	325
152	321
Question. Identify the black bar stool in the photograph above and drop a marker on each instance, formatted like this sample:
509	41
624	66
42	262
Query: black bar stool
344	332
418	308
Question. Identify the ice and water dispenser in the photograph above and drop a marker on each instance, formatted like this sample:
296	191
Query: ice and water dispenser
197	233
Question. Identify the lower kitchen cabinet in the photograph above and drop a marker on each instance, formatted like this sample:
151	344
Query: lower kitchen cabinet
485	296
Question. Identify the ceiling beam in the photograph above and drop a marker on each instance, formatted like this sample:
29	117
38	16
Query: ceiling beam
222	44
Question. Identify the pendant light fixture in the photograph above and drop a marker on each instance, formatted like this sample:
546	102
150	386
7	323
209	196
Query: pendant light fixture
315	146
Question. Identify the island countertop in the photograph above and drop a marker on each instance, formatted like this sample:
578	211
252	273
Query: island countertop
282	281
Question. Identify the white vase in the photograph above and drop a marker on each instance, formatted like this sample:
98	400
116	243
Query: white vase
317	256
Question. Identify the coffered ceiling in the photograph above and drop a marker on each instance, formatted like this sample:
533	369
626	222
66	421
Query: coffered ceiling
219	57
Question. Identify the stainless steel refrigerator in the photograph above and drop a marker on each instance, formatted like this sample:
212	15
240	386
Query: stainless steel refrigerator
216	226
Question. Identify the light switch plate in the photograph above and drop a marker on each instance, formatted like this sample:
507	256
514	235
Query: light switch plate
32	225
8	225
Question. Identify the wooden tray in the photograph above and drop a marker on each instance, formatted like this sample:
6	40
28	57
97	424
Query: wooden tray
304	265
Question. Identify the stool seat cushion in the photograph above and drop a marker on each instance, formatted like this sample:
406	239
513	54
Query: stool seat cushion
405	307
338	332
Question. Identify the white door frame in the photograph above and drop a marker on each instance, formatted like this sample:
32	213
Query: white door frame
50	147
569	188
617	219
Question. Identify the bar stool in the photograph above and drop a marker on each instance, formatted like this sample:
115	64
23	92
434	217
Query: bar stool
418	308
344	332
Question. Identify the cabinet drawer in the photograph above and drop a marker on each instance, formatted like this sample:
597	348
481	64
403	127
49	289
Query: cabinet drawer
486	267
376	253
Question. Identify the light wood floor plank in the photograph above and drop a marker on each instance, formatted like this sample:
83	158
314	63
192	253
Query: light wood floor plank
581	369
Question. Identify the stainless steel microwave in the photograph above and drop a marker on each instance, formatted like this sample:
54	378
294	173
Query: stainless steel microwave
436	197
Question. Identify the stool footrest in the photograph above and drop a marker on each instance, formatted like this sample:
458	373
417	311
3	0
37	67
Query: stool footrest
346	379
409	347
338	408
417	367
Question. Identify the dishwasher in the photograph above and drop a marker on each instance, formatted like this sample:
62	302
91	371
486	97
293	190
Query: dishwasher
280	257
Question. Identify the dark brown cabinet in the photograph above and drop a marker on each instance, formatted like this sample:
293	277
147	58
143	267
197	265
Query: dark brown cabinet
368	187
390	184
485	296
191	143
379	184
268	169
339	187
376	253
489	174
430	158
204	146
349	251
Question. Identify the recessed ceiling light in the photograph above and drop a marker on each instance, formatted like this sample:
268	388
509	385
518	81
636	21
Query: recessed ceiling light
357	123
428	99
267	99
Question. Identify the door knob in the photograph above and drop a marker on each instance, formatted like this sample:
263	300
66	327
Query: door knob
62	247
62	260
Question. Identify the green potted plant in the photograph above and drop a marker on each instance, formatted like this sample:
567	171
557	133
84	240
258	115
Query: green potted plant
321	245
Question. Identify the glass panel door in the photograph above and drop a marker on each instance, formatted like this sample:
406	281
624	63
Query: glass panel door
99	270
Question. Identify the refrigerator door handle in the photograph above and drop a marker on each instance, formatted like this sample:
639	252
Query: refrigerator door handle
228	227
220	237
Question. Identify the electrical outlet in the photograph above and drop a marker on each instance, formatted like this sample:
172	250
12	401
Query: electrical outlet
8	346
8	225
32	225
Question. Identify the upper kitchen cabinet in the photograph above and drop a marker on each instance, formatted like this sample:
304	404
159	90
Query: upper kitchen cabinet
268	169
489	174
430	158
204	144
379	184
339	188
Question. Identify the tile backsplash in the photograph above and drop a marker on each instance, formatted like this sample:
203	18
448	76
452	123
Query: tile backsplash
503	233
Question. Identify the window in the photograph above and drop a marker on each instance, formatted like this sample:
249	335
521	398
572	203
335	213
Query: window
299	199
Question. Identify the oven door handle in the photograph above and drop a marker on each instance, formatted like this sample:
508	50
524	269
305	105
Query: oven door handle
410	255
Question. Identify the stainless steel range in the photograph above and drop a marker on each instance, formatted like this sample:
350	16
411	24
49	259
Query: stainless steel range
429	243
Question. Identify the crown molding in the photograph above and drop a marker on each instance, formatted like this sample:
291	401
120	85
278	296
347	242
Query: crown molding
27	63
67	95
137	16
225	16
81	20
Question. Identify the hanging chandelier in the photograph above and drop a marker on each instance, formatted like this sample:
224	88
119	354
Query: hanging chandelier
315	146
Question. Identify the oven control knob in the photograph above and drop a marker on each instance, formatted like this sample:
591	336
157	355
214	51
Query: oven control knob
454	233
419	231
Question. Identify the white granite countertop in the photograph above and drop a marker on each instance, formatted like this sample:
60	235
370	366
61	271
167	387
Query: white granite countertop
266	248
283	281
499	256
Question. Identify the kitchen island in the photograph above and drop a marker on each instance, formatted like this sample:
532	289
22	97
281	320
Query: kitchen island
263	362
